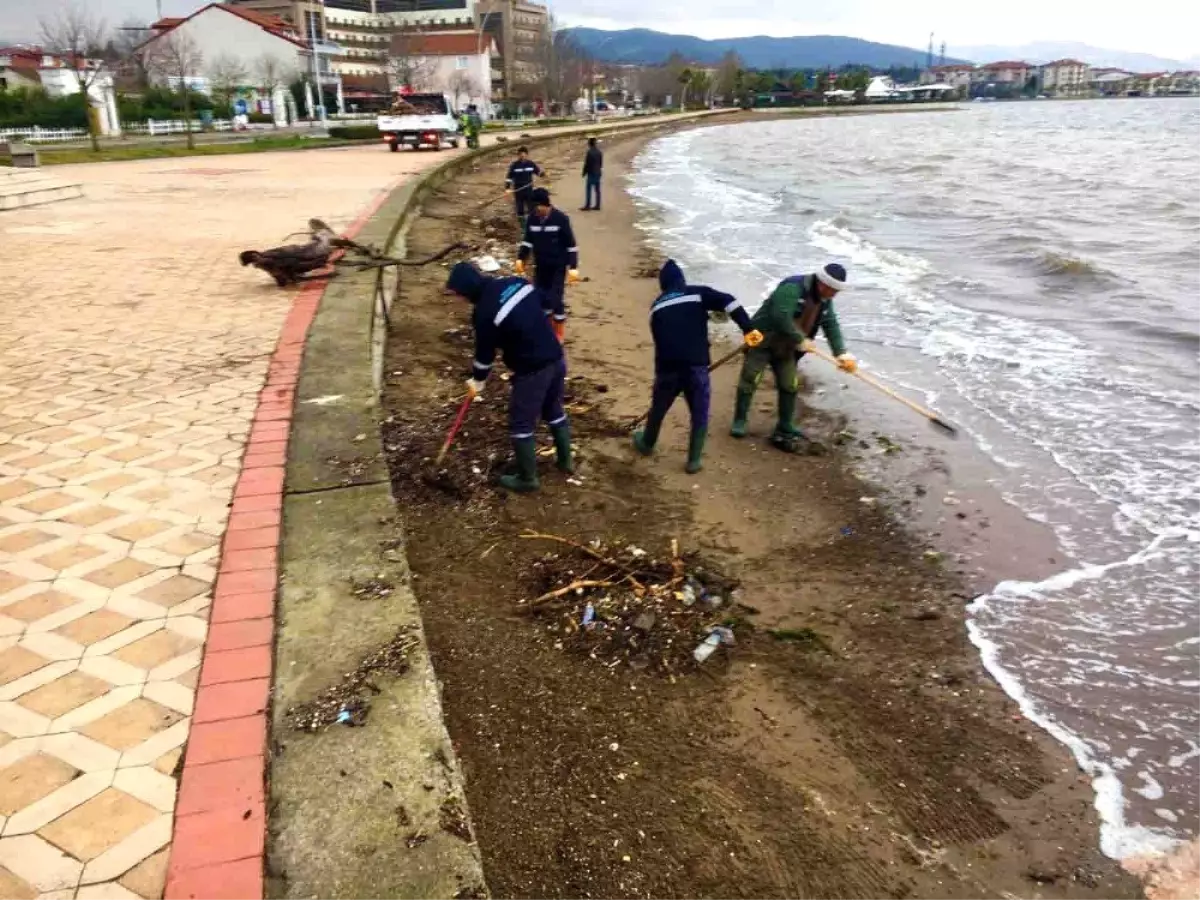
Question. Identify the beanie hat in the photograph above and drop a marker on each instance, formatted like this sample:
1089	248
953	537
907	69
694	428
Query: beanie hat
540	197
833	276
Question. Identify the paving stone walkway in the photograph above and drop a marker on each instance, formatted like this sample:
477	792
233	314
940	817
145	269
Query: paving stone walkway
132	352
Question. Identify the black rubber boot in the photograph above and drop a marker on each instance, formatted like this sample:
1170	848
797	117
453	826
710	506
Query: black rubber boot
696	450
563	458
525	479
741	412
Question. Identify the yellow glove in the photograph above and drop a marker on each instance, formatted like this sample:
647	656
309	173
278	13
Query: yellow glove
474	388
807	346
519	268
753	338
572	276
847	363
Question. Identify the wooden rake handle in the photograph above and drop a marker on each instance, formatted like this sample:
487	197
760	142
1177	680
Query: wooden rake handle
883	388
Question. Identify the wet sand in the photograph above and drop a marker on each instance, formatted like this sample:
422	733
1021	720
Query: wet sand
849	745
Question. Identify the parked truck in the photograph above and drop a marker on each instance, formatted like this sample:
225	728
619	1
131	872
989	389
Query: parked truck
420	120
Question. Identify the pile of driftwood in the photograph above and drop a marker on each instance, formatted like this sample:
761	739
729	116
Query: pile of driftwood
326	250
620	605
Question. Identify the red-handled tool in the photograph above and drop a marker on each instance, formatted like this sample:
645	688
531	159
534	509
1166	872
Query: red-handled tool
458	423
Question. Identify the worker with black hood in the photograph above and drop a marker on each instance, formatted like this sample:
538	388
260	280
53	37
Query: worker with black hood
519	182
679	324
509	317
551	242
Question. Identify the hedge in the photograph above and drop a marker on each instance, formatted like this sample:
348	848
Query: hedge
354	132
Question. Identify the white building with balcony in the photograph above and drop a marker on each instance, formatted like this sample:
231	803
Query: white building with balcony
1066	78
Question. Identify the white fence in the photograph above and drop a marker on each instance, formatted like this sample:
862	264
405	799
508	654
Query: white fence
37	135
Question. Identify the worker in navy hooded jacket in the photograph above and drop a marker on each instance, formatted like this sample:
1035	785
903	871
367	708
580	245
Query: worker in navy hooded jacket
551	242
509	317
679	324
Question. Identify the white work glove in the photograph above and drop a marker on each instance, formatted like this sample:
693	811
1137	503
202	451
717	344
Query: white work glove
807	346
474	387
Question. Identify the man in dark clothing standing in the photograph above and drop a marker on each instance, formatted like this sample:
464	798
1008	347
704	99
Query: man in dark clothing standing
519	182
799	307
551	242
509	317
679	324
593	168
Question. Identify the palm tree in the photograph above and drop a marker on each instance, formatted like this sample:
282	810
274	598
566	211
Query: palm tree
686	77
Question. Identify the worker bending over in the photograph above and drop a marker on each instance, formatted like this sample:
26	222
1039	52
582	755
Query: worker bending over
509	317
792	315
679	325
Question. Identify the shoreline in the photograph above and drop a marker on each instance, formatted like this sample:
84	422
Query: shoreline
1013	548
896	730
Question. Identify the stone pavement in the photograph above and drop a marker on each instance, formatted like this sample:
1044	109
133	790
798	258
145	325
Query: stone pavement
132	352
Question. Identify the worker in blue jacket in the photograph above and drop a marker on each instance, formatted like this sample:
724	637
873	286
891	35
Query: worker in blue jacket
551	242
519	182
510	317
679	325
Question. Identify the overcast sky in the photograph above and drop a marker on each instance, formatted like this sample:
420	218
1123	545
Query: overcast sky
1168	28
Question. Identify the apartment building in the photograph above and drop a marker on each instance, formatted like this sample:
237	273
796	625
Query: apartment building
520	29
1066	78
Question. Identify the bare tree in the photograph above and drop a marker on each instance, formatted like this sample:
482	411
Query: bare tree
176	59
273	74
727	76
70	34
226	75
461	83
560	64
408	65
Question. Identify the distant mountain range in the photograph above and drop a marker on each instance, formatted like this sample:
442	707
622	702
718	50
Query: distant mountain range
1045	51
641	45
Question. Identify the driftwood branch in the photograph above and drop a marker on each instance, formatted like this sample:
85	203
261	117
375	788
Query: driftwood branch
629	571
570	588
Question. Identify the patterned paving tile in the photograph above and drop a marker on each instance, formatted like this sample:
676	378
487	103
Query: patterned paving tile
120	441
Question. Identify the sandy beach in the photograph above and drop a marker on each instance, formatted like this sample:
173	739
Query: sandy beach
849	745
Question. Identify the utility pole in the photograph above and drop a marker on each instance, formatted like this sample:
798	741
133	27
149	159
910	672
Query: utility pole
942	60
929	55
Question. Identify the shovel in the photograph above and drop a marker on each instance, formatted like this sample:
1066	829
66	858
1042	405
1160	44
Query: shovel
737	351
883	388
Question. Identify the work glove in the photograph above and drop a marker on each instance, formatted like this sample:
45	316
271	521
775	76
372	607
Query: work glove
474	388
560	329
519	268
847	363
807	346
753	338
572	276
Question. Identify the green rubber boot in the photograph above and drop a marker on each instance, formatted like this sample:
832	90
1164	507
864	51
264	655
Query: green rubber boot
645	439
563	458
696	450
741	412
525	479
787	416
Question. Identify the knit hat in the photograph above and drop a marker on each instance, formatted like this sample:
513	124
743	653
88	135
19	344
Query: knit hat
833	276
540	197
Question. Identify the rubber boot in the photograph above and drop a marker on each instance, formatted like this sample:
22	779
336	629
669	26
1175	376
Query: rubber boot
787	416
525	479
645	439
563	457
696	450
741	412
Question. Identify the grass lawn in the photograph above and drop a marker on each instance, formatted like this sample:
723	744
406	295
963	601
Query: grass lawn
53	157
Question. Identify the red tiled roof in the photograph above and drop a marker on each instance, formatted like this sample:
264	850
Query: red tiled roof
270	24
451	43
1007	64
1066	62
961	67
166	23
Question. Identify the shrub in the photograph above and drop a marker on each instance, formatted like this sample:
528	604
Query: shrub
26	107
354	132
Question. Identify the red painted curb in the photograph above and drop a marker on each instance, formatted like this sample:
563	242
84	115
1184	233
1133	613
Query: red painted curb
220	829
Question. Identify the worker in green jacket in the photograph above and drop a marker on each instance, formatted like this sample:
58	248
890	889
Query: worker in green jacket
799	307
